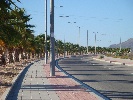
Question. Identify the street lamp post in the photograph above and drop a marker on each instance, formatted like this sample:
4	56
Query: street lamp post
64	40
95	43
52	40
46	54
79	39
87	41
120	45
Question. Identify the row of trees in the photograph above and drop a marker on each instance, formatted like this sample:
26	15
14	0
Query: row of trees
71	49
15	32
17	41
16	38
105	50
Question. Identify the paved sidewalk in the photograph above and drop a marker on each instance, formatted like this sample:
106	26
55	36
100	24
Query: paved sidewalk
36	84
66	88
33	85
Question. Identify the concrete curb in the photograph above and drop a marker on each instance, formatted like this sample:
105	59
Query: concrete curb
8	90
114	62
129	65
89	89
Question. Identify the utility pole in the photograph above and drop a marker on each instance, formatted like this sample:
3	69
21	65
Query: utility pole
95	43
46	53
79	40
87	41
52	40
120	45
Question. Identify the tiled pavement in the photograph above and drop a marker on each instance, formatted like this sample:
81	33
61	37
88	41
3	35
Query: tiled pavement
66	88
36	84
33	85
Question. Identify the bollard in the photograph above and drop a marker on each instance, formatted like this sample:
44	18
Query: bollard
36	73
22	95
31	97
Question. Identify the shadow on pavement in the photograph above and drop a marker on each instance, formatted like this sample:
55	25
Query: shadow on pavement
52	87
117	94
15	89
87	73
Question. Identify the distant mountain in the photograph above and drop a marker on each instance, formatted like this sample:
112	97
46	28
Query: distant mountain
126	44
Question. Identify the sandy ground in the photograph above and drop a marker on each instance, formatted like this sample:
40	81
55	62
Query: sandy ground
8	72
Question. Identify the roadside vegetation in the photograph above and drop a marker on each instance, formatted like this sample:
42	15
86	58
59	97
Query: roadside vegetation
19	46
17	42
124	53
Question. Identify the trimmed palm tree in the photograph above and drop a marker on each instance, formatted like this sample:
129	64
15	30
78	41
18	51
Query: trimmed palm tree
14	30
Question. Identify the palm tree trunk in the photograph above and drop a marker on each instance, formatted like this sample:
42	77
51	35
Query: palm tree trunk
11	58
17	55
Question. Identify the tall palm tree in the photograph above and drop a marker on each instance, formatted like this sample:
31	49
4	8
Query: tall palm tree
14	30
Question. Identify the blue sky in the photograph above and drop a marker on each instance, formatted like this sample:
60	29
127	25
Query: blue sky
112	19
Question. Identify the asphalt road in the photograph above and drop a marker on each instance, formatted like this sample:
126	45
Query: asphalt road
111	80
